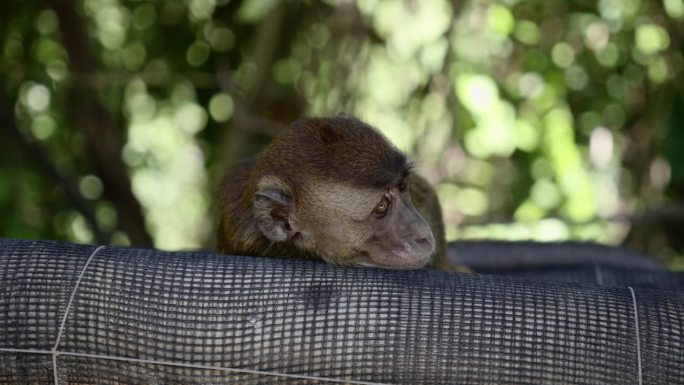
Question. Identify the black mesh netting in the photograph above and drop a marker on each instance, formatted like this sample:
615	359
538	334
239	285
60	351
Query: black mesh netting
151	317
600	275
499	255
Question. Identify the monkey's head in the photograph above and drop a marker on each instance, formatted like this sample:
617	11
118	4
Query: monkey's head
336	188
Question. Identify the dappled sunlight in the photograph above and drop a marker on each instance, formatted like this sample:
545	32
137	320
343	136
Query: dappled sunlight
168	172
543	120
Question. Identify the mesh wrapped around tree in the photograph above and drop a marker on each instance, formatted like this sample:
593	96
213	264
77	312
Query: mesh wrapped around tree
75	314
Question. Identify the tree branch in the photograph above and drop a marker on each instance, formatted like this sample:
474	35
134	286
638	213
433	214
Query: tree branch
43	161
104	140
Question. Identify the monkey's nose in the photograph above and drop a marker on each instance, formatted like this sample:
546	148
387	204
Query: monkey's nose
426	243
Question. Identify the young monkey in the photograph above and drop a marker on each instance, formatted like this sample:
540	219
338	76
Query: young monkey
333	189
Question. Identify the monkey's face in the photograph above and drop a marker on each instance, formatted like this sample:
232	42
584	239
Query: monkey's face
363	227
335	188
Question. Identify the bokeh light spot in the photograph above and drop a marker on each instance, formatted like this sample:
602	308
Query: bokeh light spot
527	32
471	201
601	146
563	55
43	126
251	11
38	98
47	22
105	213
477	92
57	70
608	56
134	56
90	187
674	8
500	19
144	16
531	85
221	39
597	35
191	118
551	230
651	38
201	9
221	107
545	194
197	53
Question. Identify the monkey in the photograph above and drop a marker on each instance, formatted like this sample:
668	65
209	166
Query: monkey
332	189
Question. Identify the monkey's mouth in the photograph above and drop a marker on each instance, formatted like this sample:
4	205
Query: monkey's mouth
392	261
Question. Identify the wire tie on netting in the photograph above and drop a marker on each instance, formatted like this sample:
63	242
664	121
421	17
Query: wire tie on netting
219	368
66	312
638	338
599	274
189	366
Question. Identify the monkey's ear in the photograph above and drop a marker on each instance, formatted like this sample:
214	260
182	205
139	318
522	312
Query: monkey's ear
275	215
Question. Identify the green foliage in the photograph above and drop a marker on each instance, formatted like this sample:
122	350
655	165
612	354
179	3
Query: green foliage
535	119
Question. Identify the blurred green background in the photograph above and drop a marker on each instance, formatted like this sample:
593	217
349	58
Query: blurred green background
539	119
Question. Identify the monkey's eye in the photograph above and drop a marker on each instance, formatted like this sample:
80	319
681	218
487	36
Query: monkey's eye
383	207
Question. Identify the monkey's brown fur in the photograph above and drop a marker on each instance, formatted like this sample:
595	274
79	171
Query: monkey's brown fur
313	193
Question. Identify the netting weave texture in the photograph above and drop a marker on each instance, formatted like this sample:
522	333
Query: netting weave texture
493	254
600	275
151	317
